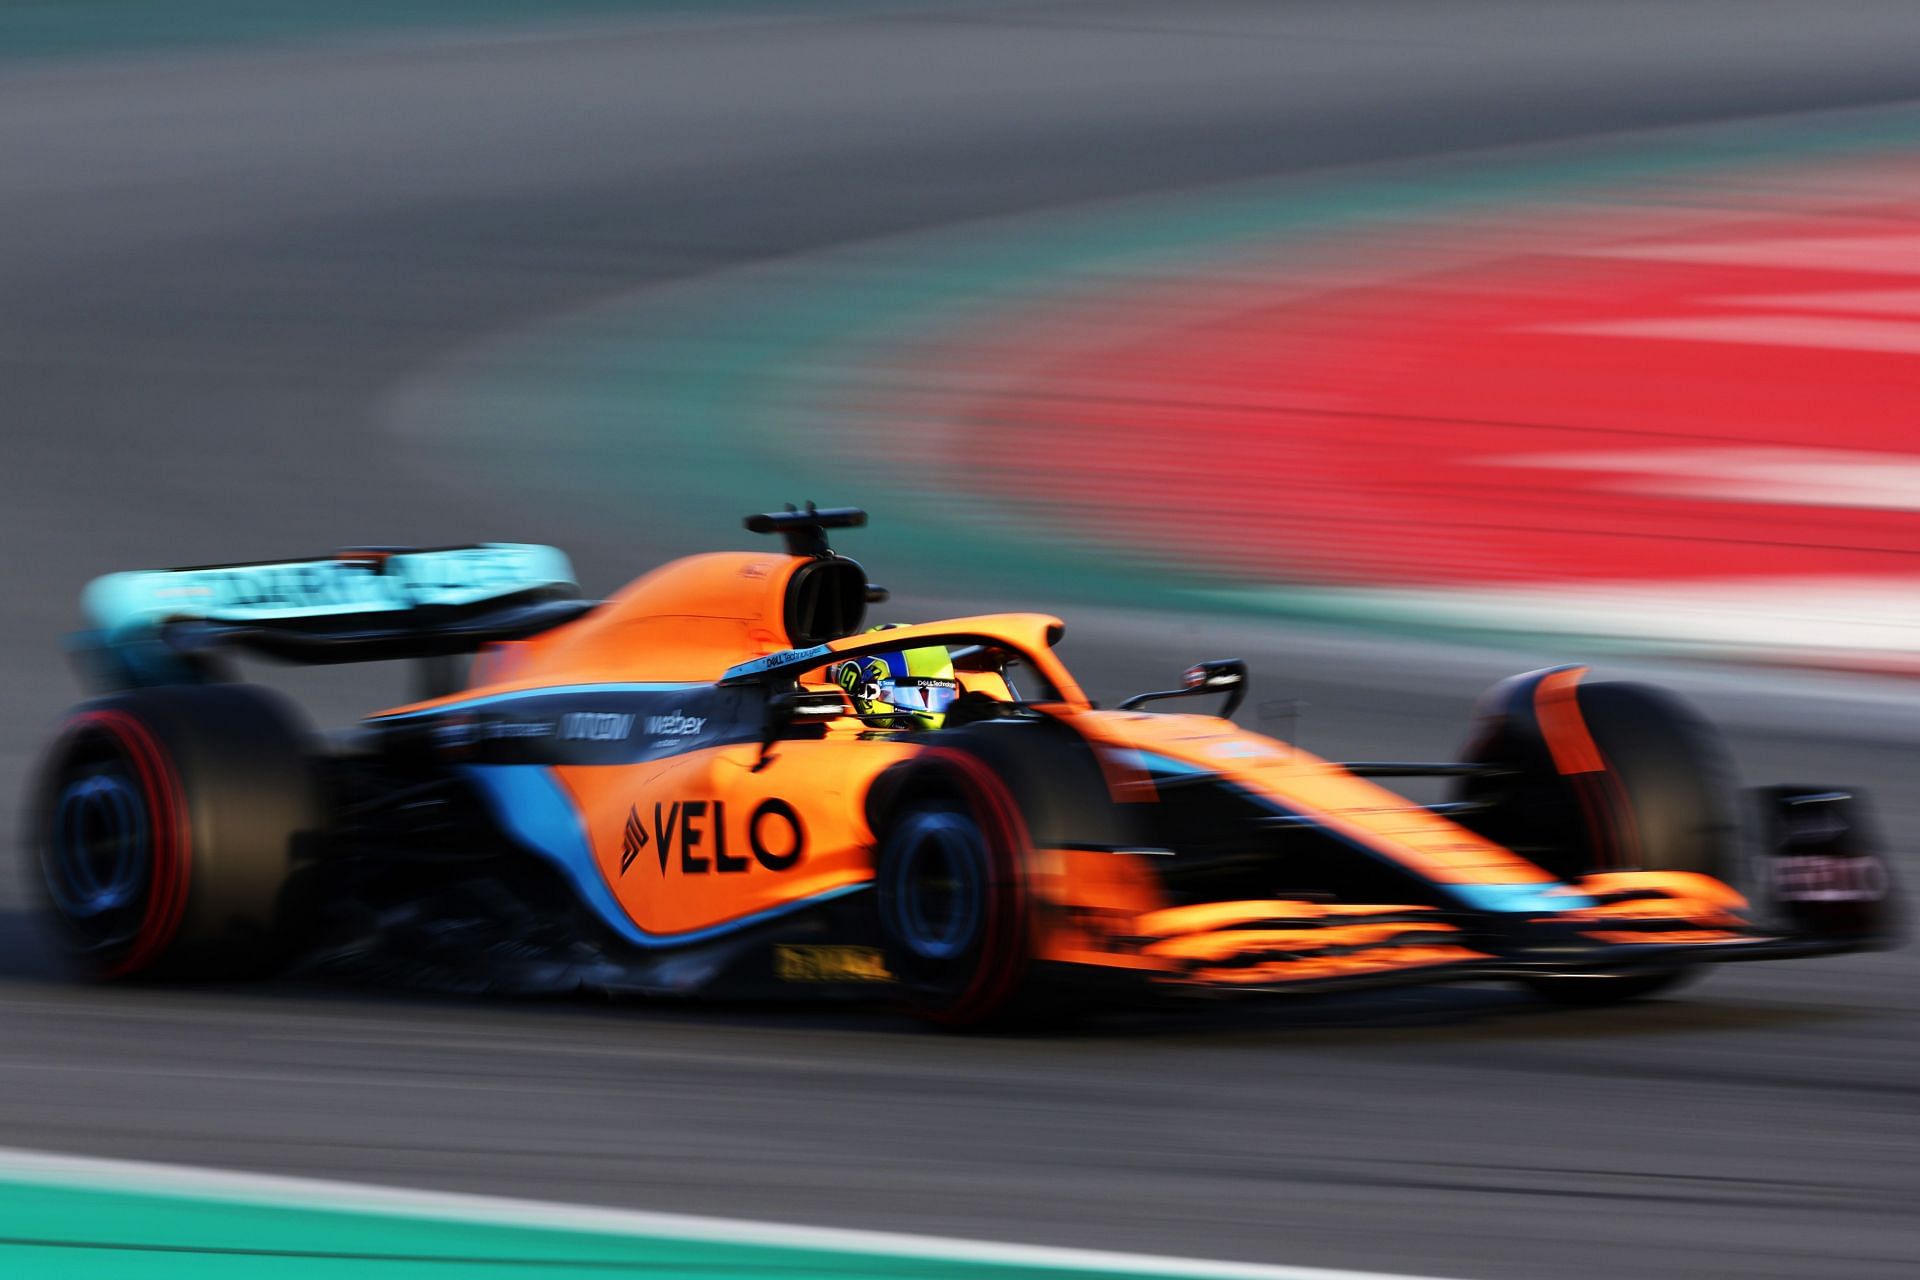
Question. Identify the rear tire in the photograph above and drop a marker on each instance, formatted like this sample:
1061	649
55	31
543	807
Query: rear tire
167	824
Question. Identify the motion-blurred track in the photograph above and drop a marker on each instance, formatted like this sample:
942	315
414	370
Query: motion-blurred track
214	270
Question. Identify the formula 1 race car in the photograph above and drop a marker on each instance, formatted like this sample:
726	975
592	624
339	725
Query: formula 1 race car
717	782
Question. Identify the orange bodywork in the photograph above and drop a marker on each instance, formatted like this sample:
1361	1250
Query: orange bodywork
693	619
1557	706
1115	917
722	834
710	852
1307	785
725	865
688	620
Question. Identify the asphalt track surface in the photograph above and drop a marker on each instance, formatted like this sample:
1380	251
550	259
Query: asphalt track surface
215	269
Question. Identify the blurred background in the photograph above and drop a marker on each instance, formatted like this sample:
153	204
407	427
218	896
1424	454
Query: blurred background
1393	345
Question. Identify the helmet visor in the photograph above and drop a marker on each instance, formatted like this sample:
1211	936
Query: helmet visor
922	693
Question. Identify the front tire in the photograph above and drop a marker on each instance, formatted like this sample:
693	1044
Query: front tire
1598	777
1599	990
952	893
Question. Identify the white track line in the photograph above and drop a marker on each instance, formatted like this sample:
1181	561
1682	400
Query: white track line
1789	475
1879	255
89	1173
1832	333
1863	623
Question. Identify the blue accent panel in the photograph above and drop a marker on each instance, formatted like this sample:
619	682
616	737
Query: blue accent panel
758	917
1168	765
786	658
1537	898
546	691
533	807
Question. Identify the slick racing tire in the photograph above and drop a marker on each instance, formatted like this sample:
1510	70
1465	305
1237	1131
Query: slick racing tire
1608	776
1592	991
167	824
952	892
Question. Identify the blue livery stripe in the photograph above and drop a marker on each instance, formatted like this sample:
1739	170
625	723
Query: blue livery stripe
546	691
1546	899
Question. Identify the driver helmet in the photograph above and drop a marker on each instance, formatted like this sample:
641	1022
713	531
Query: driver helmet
907	688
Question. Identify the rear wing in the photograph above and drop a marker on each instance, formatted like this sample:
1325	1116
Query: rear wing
173	626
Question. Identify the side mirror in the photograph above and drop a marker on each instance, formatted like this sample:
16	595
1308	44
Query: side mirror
1216	675
795	709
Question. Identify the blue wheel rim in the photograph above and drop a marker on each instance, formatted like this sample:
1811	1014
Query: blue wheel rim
100	856
939	886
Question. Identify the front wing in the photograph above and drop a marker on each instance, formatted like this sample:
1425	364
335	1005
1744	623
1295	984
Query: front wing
1627	923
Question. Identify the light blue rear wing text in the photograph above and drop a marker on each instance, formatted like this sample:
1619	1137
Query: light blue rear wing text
353	583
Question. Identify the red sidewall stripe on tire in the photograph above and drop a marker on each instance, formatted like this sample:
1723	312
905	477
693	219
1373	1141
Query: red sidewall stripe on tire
1578	758
172	867
1003	953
